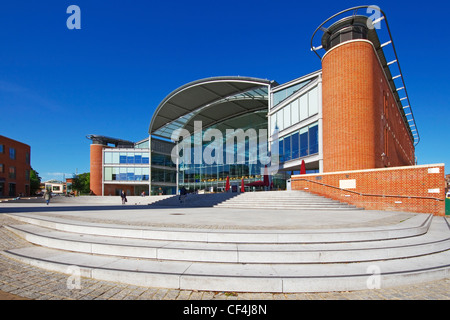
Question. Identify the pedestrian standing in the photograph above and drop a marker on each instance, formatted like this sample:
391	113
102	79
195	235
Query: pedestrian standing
123	196
47	196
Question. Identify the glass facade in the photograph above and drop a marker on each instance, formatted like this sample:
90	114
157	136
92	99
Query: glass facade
126	174
299	144
281	95
126	157
132	166
298	110
213	176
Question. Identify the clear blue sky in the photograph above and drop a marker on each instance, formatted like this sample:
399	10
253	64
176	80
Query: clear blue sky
59	85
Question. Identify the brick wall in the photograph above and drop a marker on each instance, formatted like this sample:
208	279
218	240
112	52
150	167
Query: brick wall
21	181
96	175
422	184
362	125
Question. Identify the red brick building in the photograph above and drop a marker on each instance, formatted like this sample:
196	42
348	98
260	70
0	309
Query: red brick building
369	132
14	168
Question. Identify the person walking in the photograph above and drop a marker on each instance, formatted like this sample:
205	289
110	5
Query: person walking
183	194
123	196
47	196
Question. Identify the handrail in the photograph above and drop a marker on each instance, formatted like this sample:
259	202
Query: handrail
367	194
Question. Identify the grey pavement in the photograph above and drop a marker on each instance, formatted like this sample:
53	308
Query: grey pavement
19	281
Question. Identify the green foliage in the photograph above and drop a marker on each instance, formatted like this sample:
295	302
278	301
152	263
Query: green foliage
35	181
81	182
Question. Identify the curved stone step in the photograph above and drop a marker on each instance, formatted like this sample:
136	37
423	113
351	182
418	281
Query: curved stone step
437	239
414	226
239	277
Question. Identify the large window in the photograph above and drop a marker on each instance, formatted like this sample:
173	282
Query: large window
126	157
12	172
126	174
300	143
298	110
303	142
12	153
313	132
281	95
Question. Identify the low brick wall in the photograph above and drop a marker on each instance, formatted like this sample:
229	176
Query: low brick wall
410	188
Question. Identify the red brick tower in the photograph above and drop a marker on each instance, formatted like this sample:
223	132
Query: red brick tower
96	176
362	124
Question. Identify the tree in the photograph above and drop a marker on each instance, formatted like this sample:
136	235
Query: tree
35	181
81	182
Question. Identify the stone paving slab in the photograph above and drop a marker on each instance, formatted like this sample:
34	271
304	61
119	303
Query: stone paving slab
19	281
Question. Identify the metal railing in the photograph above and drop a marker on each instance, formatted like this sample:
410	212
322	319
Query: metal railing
367	194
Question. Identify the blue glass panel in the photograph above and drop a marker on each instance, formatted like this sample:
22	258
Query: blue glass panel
295	145
287	148
123	159
304	144
313	139
145	159
281	150
130	159
137	158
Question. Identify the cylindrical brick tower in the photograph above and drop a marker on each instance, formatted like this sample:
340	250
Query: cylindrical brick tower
350	98
96	175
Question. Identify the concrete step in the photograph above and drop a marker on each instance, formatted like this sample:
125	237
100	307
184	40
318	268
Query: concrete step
414	226
282	200
437	239
239	277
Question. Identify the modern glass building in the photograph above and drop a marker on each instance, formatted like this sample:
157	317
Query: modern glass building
124	165
349	115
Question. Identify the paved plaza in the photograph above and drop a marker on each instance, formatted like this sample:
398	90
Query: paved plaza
20	281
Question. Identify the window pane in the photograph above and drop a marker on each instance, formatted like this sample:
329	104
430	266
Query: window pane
137	158
280	120
130	174
287	148
303	142
303	107
295	112
313	139
108	157
130	157
313	101
12	153
115	157
123	157
287	116
281	150
273	123
108	174
295	145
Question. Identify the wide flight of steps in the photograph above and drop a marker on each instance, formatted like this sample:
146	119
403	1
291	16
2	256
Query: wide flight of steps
239	260
295	200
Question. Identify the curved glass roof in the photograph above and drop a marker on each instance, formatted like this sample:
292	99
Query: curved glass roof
209	100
